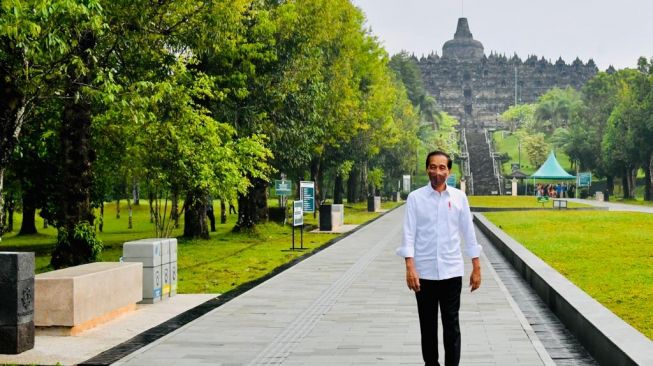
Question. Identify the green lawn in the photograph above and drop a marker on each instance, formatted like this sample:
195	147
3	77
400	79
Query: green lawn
216	265
513	202
607	254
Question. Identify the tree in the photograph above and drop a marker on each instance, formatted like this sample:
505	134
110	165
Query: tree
536	148
555	108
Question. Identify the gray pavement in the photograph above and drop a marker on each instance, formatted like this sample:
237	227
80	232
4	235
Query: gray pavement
346	305
614	206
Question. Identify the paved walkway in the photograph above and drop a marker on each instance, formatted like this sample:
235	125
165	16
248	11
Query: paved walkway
614	206
347	305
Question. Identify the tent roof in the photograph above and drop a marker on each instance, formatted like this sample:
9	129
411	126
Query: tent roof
551	169
517	174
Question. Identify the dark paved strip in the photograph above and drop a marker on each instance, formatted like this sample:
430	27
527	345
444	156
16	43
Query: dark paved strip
562	346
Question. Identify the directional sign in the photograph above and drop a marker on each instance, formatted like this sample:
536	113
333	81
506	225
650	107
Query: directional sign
307	195
298	213
451	180
283	187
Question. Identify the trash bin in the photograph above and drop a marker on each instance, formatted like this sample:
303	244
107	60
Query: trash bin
325	218
606	195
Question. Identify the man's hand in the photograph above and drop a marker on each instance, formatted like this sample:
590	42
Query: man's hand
475	278
412	277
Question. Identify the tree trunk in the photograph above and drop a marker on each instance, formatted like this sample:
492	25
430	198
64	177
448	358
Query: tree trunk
101	224
632	180
223	212
316	177
118	208
2	201
129	210
648	187
337	190
136	192
195	223
76	174
11	205
610	184
174	213
12	116
352	185
252	206
78	157
625	187
28	226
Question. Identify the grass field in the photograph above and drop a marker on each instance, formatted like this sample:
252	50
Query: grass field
514	202
216	265
607	254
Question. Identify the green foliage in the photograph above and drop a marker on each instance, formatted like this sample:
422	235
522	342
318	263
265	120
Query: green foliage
375	177
536	148
77	247
518	116
555	109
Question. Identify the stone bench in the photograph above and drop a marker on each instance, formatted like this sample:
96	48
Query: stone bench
71	300
559	203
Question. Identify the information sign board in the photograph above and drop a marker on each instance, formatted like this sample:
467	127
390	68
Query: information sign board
283	187
298	213
406	182
584	179
307	195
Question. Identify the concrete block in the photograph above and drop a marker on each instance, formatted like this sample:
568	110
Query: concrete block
337	216
143	249
152	284
173	278
76	296
15	339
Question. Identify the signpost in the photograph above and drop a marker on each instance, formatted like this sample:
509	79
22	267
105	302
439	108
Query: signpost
283	189
584	179
307	195
298	220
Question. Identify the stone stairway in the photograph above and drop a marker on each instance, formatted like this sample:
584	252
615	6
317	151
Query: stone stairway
480	163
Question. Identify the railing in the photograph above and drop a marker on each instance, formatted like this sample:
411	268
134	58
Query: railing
495	167
466	170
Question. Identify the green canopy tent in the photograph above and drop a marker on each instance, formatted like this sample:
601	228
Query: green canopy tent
551	169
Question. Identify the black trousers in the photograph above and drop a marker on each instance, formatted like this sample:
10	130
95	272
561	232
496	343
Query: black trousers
446	295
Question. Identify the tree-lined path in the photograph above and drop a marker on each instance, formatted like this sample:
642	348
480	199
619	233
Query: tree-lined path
347	305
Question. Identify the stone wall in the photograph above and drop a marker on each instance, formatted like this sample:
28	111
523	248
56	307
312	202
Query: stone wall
477	88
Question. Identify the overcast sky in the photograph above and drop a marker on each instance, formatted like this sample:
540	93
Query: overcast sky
610	32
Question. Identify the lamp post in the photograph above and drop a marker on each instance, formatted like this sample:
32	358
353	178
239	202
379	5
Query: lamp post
519	151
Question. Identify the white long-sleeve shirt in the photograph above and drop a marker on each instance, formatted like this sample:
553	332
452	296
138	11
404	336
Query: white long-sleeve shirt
433	227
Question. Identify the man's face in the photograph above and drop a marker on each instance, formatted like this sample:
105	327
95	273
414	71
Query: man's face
437	170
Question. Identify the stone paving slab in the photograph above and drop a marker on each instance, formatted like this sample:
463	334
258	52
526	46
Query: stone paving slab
347	305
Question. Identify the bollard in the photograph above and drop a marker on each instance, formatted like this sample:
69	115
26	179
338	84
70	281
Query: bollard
16	302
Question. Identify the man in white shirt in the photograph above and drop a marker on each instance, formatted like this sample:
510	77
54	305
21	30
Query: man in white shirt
437	216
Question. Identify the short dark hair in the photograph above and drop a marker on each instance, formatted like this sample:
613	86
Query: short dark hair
438	152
